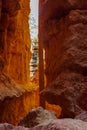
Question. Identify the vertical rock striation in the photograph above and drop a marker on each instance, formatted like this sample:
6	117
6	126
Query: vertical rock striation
64	36
17	96
18	44
15	39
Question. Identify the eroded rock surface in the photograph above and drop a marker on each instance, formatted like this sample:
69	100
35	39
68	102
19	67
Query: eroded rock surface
37	116
15	101
82	116
15	39
17	95
8	88
63	124
67	91
64	37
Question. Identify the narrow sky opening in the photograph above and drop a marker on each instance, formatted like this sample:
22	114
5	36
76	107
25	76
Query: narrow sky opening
34	9
34	18
33	22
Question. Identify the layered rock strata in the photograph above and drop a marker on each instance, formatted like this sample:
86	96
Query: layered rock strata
64	37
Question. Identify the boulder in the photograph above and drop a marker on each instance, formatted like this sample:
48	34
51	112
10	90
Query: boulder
37	116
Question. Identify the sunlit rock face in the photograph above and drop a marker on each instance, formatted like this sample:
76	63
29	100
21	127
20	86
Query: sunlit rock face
18	44
12	109
15	39
15	101
17	96
64	37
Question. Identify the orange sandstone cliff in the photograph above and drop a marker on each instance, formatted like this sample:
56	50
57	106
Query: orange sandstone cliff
17	96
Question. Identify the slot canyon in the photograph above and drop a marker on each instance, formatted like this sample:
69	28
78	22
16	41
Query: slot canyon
61	84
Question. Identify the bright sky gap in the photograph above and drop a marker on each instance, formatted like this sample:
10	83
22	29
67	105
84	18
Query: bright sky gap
34	13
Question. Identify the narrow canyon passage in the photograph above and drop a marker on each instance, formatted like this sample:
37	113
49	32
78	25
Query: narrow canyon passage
37	62
59	80
18	94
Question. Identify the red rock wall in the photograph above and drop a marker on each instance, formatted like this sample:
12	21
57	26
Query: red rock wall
64	37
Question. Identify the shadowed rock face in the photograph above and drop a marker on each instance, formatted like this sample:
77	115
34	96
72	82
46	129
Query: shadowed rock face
67	91
64	37
54	10
11	7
